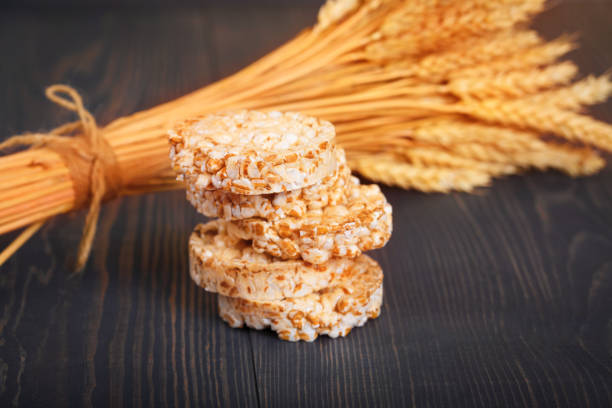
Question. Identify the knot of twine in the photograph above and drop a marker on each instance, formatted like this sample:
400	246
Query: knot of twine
90	160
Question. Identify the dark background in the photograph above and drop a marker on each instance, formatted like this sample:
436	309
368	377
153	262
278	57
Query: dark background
498	298
155	4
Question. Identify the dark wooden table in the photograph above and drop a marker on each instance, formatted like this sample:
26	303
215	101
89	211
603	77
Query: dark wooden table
500	298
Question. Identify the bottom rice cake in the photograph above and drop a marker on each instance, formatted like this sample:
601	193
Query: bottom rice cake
334	311
230	266
362	223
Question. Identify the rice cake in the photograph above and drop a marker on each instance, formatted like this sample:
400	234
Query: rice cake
334	311
364	222
229	266
250	152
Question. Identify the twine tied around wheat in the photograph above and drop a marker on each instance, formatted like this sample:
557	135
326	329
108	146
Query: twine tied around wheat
88	156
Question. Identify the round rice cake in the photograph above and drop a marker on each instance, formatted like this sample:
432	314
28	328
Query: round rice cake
364	222
230	266
296	203
334	311
250	152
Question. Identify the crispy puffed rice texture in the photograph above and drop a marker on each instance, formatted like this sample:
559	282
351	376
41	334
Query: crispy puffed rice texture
334	311
230	266
364	222
250	152
230	206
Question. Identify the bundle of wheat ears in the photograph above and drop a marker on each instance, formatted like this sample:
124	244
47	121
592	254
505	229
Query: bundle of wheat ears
435	95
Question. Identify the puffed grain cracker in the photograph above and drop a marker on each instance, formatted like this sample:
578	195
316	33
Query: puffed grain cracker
296	203
251	152
364	222
333	311
229	266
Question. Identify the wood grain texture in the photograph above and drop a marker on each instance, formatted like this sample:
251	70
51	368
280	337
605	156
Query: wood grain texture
500	298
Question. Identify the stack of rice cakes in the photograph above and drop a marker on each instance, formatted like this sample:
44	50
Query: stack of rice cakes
285	252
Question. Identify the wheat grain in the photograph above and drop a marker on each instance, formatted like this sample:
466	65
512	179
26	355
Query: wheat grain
519	59
589	91
431	25
513	84
437	66
435	156
333	11
449	131
543	118
571	160
389	170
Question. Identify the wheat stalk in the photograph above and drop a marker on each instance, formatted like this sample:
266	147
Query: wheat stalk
589	91
520	60
435	156
390	170
543	118
570	160
513	84
441	65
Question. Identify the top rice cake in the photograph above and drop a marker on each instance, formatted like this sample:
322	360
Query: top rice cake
249	152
